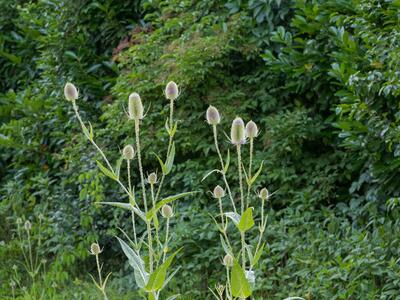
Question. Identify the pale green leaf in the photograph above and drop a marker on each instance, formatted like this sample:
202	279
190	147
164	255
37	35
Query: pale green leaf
239	284
246	221
106	171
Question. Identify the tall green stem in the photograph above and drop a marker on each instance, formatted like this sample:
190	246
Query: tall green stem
130	190
149	237
239	162
166	240
222	166
250	170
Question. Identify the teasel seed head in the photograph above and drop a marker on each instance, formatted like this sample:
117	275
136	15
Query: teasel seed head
27	225
135	107
128	152
152	178
228	260
218	192
95	249
70	92
171	91
237	132
212	115
264	194
166	211
251	130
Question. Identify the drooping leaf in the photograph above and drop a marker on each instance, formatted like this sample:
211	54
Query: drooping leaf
136	262
246	221
239	284
235	217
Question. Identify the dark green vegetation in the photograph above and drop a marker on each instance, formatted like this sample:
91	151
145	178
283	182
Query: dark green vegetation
321	78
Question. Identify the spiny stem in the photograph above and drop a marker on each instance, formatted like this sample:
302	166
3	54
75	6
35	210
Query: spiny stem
222	166
130	190
243	251
150	241
30	254
221	212
171	124
228	284
154	205
99	270
250	170
166	240
239	161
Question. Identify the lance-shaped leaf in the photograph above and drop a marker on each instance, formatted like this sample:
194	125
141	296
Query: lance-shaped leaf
106	171
163	166
251	180
127	206
239	284
257	255
142	277
246	221
150	214
157	278
170	159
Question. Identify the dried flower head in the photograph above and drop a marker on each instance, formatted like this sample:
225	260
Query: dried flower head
70	92
171	91
264	194
95	249
128	152
220	289
218	192
166	211
27	225
212	115
237	131
152	178
228	260
251	130
135	107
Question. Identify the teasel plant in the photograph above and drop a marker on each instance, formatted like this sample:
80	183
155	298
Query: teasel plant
148	254
237	205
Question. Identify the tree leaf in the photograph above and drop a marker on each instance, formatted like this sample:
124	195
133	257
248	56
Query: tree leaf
239	284
246	221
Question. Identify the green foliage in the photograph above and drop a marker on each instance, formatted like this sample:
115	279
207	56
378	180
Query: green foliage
319	77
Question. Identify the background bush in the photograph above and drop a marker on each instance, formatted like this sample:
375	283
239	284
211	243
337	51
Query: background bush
319	77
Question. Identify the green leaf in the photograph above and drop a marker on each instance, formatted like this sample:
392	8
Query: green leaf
157	278
209	173
91	133
106	171
233	216
128	206
163	166
136	262
246	221
239	284
150	214
170	159
251	180
257	255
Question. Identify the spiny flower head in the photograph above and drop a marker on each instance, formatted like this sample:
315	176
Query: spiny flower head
251	130
171	91
237	132
135	107
70	92
218	192
128	152
212	115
